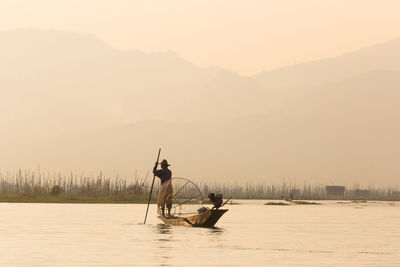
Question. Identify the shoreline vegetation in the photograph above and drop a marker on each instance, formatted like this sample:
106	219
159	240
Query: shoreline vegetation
38	187
288	203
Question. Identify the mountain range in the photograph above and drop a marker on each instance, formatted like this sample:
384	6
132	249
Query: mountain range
71	102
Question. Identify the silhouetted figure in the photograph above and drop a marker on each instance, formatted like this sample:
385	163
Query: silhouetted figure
165	192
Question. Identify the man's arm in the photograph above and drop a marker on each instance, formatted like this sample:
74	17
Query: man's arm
155	168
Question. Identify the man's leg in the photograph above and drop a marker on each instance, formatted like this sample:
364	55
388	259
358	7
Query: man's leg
169	210
161	198
169	198
169	204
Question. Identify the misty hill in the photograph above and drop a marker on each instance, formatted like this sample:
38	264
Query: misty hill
384	56
76	81
344	132
71	102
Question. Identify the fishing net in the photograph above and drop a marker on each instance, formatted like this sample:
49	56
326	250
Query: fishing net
186	197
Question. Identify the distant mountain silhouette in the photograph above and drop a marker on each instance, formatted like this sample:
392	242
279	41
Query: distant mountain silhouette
76	81
385	56
347	132
70	101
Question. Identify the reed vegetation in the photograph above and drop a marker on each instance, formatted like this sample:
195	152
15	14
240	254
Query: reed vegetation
28	186
36	186
297	191
277	204
298	202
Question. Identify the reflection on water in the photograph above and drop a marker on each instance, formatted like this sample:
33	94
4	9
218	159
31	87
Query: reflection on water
249	234
216	231
163	229
163	239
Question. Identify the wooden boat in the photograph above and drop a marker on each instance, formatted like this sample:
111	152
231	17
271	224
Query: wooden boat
206	219
188	194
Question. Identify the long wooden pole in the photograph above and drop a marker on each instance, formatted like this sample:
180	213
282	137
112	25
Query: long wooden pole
151	190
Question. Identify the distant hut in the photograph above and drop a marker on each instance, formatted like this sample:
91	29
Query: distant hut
396	195
362	194
335	191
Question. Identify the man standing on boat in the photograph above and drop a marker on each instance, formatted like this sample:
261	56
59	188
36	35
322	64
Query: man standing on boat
165	192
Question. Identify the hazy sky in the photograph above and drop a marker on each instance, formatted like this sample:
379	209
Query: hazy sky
245	36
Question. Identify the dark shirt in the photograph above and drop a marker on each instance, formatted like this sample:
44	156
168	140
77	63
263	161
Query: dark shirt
163	174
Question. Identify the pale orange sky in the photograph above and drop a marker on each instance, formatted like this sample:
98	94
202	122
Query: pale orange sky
245	36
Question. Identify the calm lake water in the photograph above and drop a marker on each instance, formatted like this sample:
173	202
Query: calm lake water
250	234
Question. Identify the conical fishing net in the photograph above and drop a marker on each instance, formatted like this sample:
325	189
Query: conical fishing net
186	197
